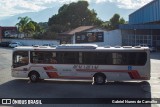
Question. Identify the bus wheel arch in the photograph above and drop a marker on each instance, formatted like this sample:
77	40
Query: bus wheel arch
34	76
99	78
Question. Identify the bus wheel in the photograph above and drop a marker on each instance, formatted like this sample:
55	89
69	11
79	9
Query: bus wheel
34	77
99	79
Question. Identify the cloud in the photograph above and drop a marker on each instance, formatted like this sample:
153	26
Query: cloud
13	7
126	4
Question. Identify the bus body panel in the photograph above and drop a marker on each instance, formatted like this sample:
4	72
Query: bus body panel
84	71
21	72
69	71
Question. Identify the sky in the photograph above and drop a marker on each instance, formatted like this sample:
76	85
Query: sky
14	7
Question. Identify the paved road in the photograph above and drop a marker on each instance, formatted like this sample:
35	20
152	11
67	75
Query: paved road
155	75
21	88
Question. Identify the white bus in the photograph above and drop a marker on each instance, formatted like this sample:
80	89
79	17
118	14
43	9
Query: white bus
99	64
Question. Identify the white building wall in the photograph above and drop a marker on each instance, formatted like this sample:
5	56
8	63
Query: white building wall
112	38
30	42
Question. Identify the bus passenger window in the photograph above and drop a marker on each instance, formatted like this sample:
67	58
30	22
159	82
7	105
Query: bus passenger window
53	61
52	58
80	57
43	57
68	57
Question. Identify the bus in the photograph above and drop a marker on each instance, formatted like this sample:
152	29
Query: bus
82	61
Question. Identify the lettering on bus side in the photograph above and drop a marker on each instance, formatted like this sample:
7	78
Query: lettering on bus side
85	67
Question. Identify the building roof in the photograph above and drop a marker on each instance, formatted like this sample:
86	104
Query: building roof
139	26
146	5
78	29
146	14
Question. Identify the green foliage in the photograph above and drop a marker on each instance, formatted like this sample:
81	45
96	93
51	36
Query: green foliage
23	24
45	32
45	36
106	25
27	26
69	17
58	28
73	15
115	21
122	21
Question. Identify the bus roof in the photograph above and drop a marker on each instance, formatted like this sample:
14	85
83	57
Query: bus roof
73	47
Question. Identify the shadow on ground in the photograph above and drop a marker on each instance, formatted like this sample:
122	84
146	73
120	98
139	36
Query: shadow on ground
22	88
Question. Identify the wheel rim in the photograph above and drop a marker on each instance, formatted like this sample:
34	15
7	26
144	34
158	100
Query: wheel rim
33	77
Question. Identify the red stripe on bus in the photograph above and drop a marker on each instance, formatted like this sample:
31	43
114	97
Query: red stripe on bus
74	77
55	75
135	75
52	74
48	68
130	74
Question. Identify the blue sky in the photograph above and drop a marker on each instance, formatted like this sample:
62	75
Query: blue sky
104	8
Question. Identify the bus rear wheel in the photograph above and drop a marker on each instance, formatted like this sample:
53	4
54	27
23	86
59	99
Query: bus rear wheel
34	77
99	79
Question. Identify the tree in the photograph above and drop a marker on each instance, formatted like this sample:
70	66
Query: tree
73	15
122	21
23	24
27	26
115	21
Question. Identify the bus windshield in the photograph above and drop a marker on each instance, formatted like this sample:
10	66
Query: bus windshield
20	58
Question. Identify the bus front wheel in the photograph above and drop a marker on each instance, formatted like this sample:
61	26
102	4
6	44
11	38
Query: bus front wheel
34	76
99	79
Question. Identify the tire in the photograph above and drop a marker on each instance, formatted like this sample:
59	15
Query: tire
144	83
34	77
99	79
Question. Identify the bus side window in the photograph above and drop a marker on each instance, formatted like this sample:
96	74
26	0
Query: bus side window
100	58
41	57
80	57
34	57
53	59
67	57
73	57
88	58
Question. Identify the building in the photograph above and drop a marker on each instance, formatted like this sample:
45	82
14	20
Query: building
91	35
8	32
67	37
143	27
